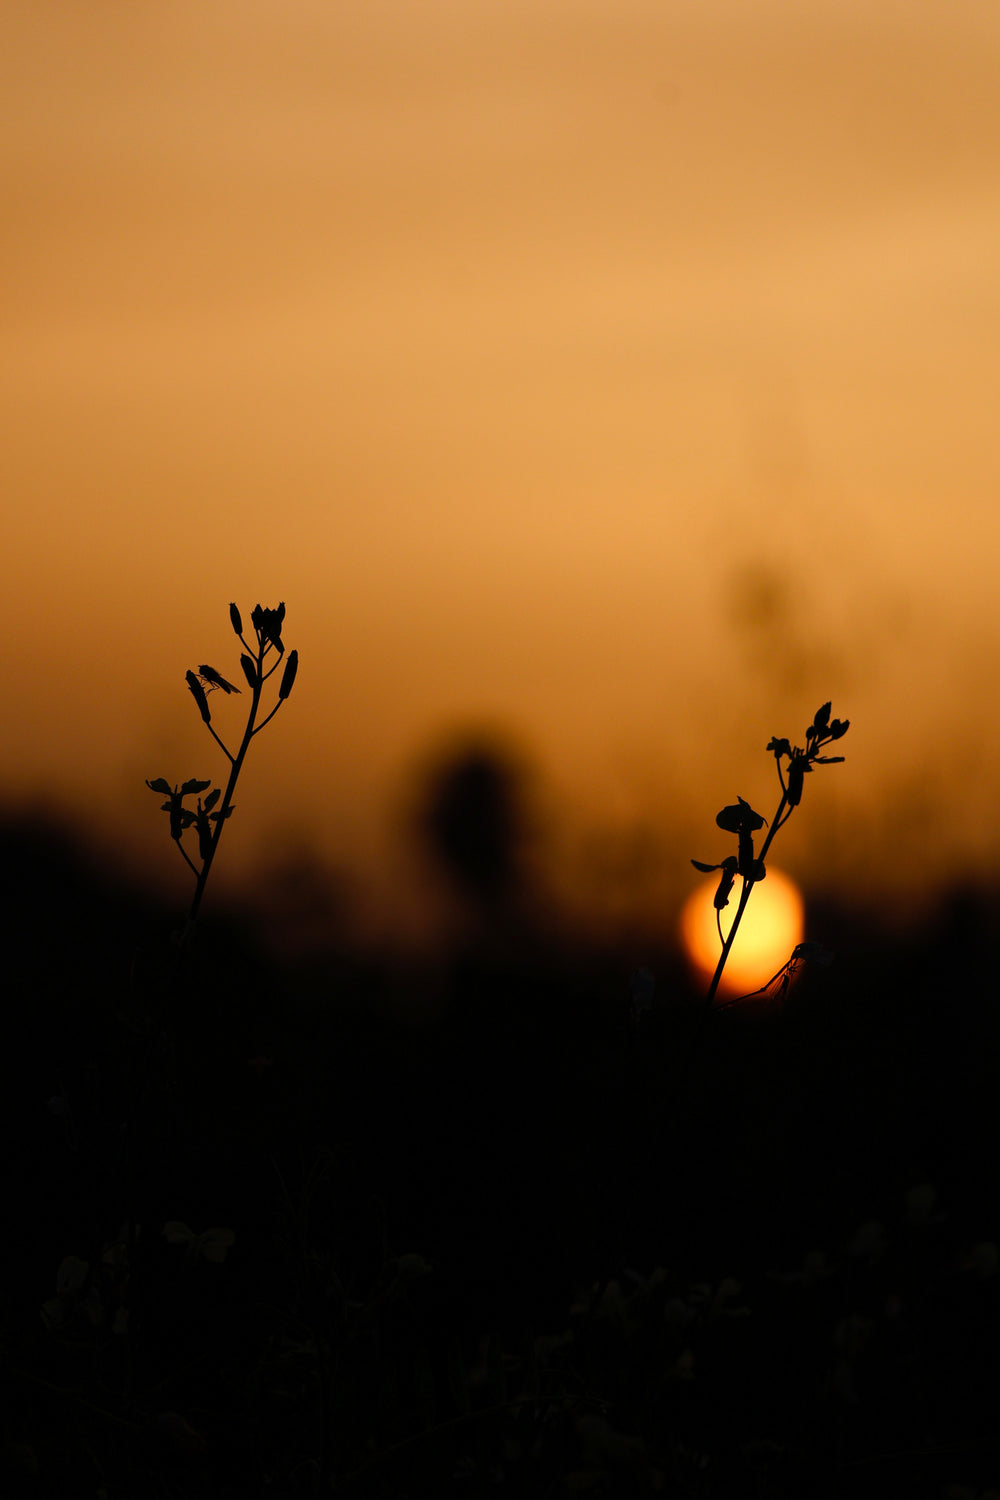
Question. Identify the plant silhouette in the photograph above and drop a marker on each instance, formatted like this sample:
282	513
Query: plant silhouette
741	819
472	822
209	817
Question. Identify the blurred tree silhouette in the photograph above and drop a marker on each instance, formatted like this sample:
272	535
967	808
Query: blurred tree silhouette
471	818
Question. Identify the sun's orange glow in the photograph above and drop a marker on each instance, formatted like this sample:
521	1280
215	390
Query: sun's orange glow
446	332
772	925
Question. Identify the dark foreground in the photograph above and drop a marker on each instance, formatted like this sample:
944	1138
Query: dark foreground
467	1233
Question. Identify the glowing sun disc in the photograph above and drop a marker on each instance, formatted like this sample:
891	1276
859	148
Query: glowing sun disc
773	923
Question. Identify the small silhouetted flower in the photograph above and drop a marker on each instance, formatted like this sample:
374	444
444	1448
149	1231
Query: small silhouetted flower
181	817
268	623
741	819
822	731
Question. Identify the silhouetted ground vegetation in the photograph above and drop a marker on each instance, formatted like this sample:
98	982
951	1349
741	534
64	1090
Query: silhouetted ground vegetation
463	1228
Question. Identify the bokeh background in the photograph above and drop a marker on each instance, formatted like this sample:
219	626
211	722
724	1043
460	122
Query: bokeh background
610	380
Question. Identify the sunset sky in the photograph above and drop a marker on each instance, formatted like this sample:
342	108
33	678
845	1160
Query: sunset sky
619	376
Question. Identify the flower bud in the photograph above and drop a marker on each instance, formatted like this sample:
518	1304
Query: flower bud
288	676
198	694
234	615
249	669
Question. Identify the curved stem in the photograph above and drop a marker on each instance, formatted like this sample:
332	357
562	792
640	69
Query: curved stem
186	857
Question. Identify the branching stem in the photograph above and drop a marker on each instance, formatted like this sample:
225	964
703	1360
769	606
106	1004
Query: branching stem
781	816
236	765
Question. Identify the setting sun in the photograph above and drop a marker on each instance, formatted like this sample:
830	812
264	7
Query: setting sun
772	925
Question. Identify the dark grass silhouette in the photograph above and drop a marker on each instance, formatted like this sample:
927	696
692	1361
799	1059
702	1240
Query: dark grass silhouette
285	1238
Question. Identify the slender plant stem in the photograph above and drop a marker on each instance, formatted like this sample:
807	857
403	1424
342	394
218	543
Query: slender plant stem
748	885
234	772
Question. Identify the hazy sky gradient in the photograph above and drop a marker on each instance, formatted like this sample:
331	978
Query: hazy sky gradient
623	374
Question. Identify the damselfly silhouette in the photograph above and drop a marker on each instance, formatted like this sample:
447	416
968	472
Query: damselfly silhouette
778	986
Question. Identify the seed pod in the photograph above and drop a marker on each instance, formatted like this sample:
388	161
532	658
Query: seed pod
249	669
726	881
176	815
745	863
198	694
234	615
288	676
795	775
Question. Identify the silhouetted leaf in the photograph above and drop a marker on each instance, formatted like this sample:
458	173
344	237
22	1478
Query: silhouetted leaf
160	785
705	869
212	799
191	788
796	771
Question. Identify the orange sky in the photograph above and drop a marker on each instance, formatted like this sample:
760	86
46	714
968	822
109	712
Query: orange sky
622	374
